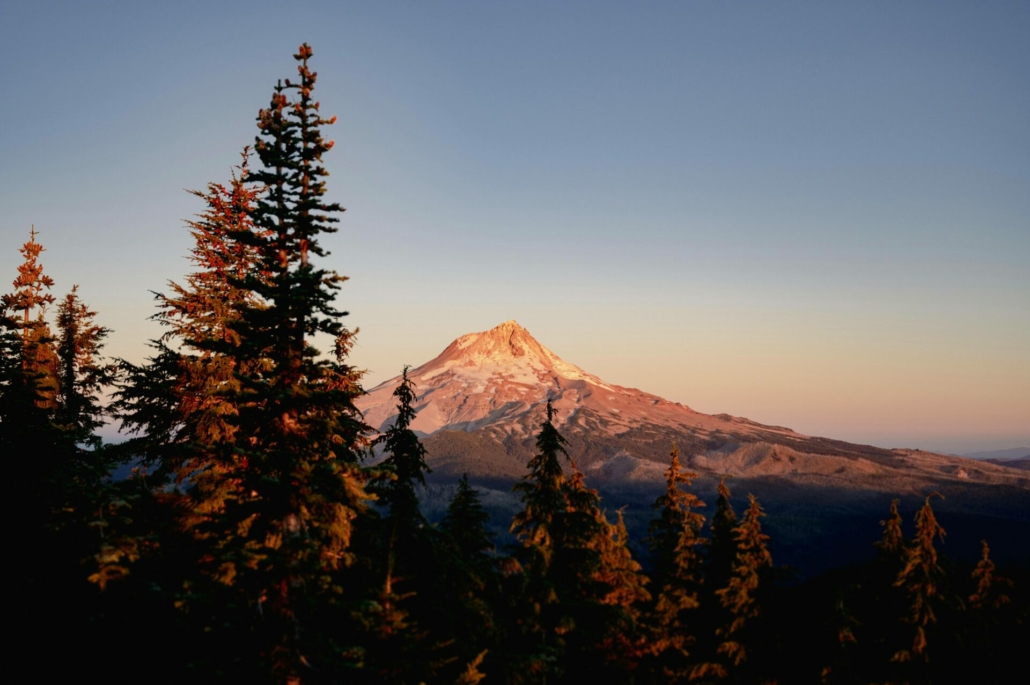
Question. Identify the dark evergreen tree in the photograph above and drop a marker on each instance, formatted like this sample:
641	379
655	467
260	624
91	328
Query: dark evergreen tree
30	298
996	633
404	467
263	430
83	373
583	591
712	615
296	436
741	597
891	546
466	524
537	528
921	578
470	588
723	548
990	593
179	401
543	497
674	540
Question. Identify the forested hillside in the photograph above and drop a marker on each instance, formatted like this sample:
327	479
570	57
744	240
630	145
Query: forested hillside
256	540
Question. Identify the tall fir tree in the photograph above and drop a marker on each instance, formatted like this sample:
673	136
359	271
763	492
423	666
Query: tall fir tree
470	585
405	464
178	402
83	373
723	548
411	556
742	596
27	307
674	540
297	436
990	588
921	578
537	528
465	522
583	590
264	432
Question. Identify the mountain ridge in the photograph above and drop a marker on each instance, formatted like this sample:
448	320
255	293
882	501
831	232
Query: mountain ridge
492	386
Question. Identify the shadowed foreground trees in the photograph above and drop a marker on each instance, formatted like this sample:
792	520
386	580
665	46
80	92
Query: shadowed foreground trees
253	543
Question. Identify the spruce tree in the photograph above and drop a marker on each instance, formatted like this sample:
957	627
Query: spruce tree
723	548
989	594
465	522
674	540
405	464
623	596
30	298
583	590
995	634
297	436
178	402
712	615
538	529
468	584
921	578
267	428
741	597
83	373
892	545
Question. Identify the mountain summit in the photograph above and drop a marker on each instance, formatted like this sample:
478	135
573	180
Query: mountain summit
502	378
481	401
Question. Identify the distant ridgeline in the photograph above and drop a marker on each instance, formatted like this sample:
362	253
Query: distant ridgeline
282	526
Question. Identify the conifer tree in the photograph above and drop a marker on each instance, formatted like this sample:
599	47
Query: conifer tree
995	634
468	586
405	464
466	523
741	596
179	401
599	588
712	615
623	596
297	434
31	297
921	578
990	587
675	536
82	371
582	587
891	547
279	452
723	548
544	498
180	407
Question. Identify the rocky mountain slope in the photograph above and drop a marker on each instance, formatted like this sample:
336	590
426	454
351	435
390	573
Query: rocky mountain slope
481	401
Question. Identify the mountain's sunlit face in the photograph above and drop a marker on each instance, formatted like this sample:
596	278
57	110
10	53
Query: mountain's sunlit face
815	218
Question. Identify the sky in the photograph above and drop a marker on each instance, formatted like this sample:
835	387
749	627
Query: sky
813	214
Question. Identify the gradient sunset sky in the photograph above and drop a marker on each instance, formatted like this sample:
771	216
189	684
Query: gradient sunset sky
814	214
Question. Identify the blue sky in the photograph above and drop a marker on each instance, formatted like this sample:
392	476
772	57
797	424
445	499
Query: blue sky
810	214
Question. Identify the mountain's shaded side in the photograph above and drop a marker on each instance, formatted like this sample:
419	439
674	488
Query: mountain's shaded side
481	401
